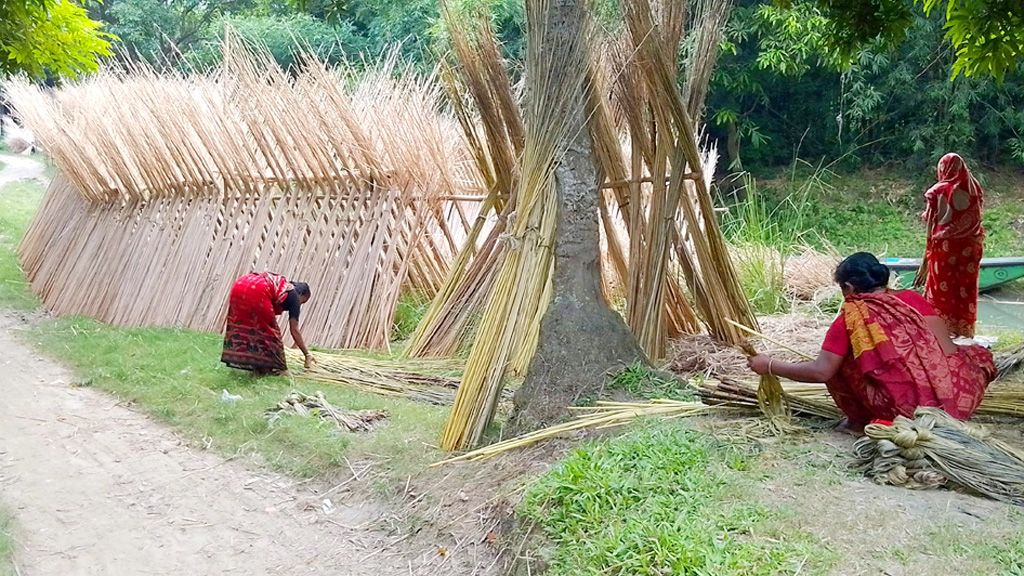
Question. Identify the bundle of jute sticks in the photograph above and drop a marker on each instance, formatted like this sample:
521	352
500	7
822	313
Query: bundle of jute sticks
934	449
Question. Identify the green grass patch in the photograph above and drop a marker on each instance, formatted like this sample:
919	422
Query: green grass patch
6	544
18	203
408	313
664	499
639	380
175	376
879	211
961	550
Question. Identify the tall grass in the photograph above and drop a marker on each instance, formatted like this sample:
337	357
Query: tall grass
408	313
763	235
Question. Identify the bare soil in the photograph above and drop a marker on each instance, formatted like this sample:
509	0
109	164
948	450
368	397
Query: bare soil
19	168
97	488
887	530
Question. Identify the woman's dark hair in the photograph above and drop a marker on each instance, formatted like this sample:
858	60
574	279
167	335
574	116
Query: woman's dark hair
863	272
301	289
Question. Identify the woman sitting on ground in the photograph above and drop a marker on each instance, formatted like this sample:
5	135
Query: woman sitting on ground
252	339
888	353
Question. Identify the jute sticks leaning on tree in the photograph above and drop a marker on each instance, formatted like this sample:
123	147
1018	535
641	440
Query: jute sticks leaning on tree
663	202
171	187
482	96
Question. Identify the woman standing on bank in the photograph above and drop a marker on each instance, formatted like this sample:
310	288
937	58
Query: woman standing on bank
954	250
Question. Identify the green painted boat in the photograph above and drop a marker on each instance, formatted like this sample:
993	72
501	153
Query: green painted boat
994	271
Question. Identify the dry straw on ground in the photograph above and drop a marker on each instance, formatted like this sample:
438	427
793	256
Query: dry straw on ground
304	405
933	448
417	381
172	187
809	275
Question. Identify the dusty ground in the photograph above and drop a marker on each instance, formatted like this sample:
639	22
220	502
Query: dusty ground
19	168
887	530
97	488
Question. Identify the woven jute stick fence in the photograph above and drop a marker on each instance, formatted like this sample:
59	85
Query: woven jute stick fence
172	187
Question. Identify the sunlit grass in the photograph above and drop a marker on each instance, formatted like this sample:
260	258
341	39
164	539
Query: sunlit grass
664	499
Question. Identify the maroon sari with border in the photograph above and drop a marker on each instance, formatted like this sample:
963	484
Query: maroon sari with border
896	364
252	338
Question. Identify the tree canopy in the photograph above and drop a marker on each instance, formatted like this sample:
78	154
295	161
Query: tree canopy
56	37
986	35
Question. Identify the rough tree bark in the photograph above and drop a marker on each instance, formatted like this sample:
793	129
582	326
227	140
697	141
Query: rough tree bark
581	339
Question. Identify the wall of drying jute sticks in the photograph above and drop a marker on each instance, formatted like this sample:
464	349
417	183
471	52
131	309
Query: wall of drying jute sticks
170	187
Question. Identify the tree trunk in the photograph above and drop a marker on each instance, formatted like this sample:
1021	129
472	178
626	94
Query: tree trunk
581	339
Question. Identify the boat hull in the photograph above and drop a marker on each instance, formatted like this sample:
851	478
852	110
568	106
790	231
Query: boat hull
994	272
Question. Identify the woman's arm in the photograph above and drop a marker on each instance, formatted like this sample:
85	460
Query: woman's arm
820	370
938	327
293	325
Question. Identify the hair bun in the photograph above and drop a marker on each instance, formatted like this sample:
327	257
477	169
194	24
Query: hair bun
880	273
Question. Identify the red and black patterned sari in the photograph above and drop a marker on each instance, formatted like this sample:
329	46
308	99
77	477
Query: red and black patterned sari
252	339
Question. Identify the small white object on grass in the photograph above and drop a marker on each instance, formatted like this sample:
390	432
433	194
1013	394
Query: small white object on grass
983	341
229	397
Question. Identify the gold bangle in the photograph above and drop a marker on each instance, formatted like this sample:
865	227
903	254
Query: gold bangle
770	360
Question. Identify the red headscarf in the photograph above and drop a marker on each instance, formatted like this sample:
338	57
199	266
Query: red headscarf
953	176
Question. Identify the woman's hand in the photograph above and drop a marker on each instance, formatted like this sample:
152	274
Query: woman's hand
310	361
760	364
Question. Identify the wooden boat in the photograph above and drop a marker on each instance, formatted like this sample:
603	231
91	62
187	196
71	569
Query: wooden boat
994	271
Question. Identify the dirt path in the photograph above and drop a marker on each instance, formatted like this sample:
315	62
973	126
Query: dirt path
19	168
99	489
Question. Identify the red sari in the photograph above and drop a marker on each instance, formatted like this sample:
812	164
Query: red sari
252	339
895	364
954	247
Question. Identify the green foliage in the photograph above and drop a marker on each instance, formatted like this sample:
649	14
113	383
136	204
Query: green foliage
903	105
410	309
639	380
987	36
162	31
49	37
663	500
285	37
778	84
6	543
774	69
18	201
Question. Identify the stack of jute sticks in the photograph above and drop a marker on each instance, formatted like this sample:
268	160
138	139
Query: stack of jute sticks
171	187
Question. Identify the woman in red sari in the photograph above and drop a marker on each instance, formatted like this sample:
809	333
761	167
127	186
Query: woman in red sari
888	353
953	253
252	339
